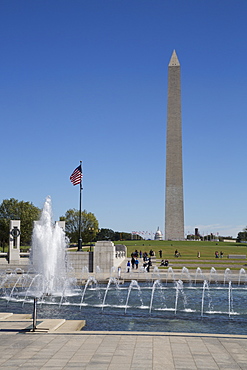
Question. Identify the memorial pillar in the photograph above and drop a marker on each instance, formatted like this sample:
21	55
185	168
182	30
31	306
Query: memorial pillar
14	241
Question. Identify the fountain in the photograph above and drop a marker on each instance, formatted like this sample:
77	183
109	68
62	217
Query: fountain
170	273
186	274
179	290
48	256
199	273
241	272
213	273
204	290
111	281
227	275
155	273
133	284
158	301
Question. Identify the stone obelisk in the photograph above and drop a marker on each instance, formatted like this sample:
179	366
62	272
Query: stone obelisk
174	208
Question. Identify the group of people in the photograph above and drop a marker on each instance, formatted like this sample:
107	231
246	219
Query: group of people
143	255
134	262
164	263
147	261
217	254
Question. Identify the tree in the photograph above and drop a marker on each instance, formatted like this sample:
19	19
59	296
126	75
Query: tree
106	234
26	212
109	234
126	236
89	225
242	235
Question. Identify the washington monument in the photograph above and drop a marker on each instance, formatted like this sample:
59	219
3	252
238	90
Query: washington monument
174	208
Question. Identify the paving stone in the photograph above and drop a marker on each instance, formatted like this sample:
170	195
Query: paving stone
205	362
119	367
75	365
121	351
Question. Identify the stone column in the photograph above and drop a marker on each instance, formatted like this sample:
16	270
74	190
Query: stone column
104	256
61	224
14	241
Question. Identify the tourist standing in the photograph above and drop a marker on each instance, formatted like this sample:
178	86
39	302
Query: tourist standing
137	263
149	264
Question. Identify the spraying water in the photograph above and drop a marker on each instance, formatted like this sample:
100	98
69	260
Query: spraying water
241	272
199	273
48	251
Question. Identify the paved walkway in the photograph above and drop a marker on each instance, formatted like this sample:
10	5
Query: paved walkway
56	349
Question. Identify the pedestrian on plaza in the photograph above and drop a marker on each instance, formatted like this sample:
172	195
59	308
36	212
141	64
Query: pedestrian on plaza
149	264
137	263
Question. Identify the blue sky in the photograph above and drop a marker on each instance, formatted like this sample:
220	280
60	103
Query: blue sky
87	80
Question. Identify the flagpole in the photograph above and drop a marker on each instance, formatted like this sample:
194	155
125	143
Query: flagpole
79	237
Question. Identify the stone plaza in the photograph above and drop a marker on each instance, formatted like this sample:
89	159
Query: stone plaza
62	347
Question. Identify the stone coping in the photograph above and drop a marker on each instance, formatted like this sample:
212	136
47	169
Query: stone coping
22	323
154	333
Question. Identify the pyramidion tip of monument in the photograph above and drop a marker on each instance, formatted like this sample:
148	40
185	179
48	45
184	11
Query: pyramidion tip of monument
174	59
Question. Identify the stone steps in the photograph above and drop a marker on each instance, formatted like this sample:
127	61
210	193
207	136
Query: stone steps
23	322
70	326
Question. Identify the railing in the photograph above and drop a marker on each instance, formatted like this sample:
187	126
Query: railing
24	254
120	254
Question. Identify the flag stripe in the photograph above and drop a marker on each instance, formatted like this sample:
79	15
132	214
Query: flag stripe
76	176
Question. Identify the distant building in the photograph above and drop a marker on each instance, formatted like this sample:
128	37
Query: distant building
158	235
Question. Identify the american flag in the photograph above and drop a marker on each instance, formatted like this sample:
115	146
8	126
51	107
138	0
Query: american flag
76	176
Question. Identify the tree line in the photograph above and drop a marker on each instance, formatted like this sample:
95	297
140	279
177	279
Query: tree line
27	213
242	236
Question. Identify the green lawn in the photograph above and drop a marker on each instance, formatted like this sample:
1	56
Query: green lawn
187	249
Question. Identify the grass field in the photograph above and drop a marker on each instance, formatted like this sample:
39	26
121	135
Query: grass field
187	249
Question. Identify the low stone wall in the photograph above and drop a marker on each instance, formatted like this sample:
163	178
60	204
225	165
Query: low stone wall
237	256
3	258
106	255
80	260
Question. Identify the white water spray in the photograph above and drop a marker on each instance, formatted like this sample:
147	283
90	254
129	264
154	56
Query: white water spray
48	251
